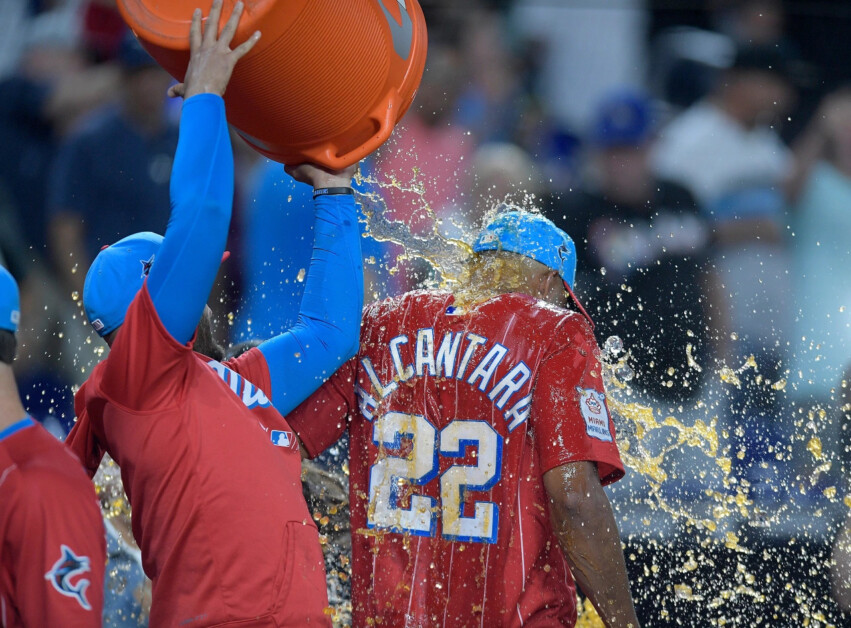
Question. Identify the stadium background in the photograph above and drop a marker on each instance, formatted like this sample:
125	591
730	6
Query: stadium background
522	99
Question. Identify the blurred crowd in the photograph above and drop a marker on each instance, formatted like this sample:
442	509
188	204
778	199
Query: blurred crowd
698	152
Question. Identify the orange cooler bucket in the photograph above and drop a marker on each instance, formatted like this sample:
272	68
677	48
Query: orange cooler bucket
326	83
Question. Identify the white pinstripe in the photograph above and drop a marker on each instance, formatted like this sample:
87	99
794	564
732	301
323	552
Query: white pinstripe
485	588
414	575
448	584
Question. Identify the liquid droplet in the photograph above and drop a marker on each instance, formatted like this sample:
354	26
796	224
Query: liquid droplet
613	346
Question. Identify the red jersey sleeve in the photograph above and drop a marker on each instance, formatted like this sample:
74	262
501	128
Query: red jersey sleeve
84	444
147	366
60	562
569	413
321	419
253	367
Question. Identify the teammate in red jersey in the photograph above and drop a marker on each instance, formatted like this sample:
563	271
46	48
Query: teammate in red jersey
51	534
480	440
217	506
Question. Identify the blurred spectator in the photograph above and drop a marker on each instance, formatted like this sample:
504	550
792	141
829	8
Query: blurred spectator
42	374
424	169
821	226
18	15
725	149
111	177
52	86
274	276
13	248
493	101
725	152
103	28
641	243
687	59
428	147
589	49
751	22
503	173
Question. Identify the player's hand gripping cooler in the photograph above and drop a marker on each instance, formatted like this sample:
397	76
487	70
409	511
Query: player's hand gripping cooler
327	82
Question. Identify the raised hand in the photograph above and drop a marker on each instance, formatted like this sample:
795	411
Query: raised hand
211	60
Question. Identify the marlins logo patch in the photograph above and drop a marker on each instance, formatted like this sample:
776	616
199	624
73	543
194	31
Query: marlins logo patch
68	567
592	404
146	266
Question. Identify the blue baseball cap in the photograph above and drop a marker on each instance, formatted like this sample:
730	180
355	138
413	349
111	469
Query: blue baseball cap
10	302
537	238
624	118
114	278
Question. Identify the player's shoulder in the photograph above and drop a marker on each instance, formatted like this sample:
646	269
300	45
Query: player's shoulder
42	460
413	301
544	314
90	389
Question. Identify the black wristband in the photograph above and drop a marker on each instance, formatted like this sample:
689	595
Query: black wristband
331	191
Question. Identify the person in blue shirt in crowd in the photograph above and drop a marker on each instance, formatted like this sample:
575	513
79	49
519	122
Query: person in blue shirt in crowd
111	177
273	275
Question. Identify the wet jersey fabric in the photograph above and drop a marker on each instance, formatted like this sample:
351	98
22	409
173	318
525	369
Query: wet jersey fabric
53	541
453	418
214	489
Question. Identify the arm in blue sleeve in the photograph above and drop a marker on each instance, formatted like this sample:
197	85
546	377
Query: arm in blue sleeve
201	192
328	327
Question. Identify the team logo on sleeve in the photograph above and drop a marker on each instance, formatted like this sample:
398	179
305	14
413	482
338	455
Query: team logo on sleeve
146	265
592	404
68	567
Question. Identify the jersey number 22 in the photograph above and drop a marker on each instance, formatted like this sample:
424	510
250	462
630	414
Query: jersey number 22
421	466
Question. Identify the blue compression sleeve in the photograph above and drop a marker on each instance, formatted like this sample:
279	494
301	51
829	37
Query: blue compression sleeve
201	192
328	327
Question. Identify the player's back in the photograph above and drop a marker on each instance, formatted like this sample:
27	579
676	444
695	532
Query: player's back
218	510
54	548
450	517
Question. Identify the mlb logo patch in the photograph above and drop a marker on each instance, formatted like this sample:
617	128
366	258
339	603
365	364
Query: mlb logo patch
281	438
592	405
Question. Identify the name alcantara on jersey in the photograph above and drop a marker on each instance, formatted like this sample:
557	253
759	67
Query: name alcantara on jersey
446	363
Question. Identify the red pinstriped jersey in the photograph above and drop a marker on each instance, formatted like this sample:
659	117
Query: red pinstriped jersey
454	416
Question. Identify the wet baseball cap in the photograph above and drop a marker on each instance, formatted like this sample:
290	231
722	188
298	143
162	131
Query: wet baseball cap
10	302
116	276
624	118
535	237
